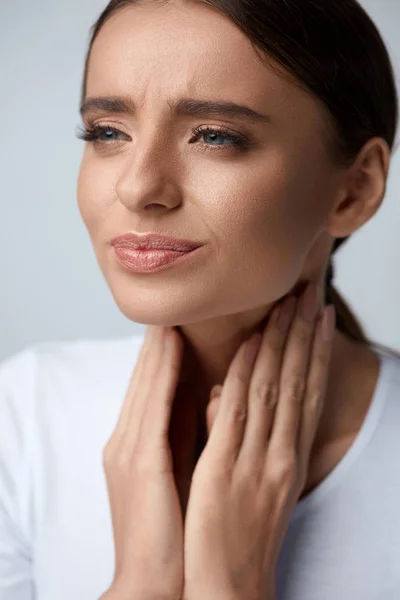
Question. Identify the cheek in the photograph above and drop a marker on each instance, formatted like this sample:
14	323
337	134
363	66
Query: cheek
95	194
265	219
263	228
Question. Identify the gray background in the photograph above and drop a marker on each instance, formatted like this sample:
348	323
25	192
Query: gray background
51	286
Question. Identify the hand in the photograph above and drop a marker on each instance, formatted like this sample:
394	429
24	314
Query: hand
146	515
254	467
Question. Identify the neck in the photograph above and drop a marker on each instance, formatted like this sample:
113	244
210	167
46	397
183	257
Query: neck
211	347
206	365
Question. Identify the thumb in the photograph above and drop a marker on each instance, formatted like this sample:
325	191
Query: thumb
213	405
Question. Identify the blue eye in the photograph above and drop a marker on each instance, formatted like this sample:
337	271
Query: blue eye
236	140
105	131
94	133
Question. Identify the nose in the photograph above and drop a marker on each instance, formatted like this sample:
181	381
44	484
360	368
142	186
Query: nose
148	179
145	194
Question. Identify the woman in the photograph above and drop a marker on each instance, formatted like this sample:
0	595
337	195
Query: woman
302	97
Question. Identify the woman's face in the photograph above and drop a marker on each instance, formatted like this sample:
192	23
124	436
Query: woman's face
259	210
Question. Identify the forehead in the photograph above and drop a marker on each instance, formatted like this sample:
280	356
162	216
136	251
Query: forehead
149	51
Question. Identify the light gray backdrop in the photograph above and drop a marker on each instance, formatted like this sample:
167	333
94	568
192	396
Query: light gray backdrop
51	286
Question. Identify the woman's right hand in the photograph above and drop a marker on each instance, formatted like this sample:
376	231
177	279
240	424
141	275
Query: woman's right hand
138	464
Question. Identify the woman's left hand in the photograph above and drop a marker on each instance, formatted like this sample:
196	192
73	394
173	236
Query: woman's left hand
253	469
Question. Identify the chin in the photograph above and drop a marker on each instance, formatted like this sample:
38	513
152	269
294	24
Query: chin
145	313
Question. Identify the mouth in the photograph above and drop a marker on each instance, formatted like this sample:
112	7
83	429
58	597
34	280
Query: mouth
150	261
153	241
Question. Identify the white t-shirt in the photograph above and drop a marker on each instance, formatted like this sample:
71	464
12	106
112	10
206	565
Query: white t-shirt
59	404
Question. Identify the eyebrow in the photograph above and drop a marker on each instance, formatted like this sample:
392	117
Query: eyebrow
182	107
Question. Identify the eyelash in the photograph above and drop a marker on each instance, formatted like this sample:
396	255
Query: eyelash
240	142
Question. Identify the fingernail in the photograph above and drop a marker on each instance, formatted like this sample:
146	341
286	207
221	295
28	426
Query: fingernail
309	303
328	323
286	313
252	347
215	391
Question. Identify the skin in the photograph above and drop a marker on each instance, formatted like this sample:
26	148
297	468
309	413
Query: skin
267	217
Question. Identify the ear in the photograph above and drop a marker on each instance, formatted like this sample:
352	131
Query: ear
362	189
212	408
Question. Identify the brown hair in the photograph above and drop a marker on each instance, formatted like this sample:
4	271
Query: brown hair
333	50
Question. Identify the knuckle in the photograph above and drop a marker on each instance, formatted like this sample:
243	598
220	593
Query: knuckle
283	469
266	393
141	465
276	341
303	332
294	386
108	456
125	460
248	481
122	460
314	401
241	376
110	451
238	413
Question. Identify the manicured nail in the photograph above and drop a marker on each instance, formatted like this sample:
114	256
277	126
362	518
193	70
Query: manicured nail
309	303
215	391
328	323
286	313
252	347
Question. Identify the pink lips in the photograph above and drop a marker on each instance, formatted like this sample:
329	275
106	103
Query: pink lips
151	252
154	241
148	261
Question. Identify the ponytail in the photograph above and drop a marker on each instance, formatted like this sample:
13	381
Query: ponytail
346	322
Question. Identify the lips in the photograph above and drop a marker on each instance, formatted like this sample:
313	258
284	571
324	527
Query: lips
154	242
148	261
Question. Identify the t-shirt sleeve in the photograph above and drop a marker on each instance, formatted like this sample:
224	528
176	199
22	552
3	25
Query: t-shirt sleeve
16	395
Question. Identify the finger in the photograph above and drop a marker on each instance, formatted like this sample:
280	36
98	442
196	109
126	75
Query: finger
137	375
164	383
227	433
264	387
315	394
212	407
141	390
294	374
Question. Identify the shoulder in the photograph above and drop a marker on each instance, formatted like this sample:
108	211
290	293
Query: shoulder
65	372
58	403
84	354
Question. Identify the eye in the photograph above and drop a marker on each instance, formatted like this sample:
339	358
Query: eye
235	140
93	133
